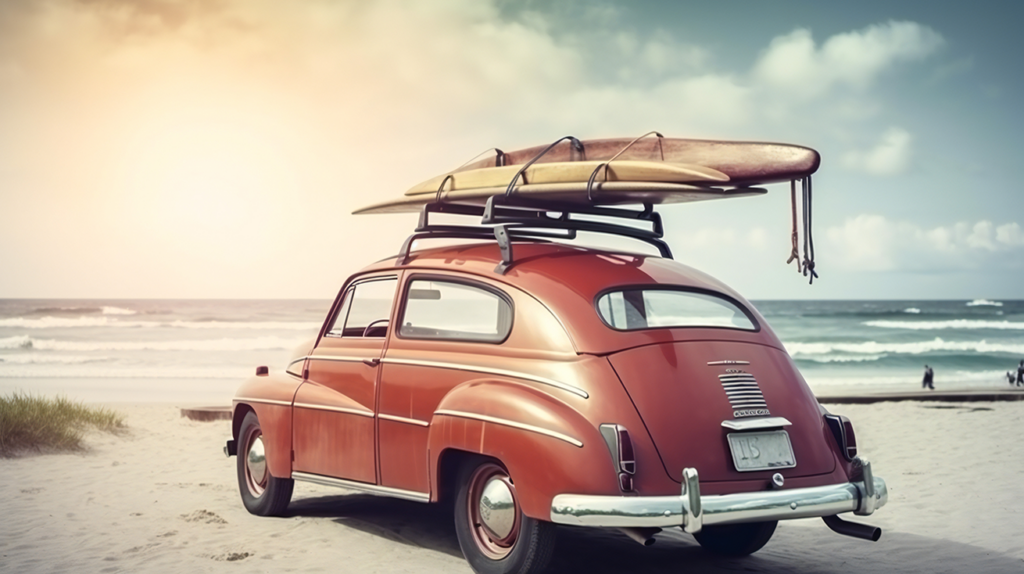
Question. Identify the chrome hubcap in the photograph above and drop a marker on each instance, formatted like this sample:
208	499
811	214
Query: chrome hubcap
493	510
256	463
497	508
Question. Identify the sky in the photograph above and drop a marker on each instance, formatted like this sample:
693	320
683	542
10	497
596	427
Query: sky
216	148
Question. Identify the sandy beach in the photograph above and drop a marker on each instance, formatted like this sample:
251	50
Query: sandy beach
163	498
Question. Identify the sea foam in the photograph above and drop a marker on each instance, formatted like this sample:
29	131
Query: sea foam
951	324
117	311
810	350
47	359
76	322
253	344
99	372
984	303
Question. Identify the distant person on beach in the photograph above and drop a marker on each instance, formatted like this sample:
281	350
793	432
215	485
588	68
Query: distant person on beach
1010	377
929	375
1020	374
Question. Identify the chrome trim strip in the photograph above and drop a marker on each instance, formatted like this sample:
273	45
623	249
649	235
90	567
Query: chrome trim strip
713	363
665	511
371	488
338	358
513	424
346	410
289	370
487	370
398	419
265	401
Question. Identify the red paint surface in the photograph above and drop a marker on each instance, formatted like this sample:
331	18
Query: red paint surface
654	382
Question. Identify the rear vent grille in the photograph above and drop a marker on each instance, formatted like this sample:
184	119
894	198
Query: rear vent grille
744	394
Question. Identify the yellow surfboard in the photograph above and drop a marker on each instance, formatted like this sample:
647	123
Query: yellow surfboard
603	193
571	172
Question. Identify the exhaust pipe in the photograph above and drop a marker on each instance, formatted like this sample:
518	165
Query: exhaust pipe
872	533
644	536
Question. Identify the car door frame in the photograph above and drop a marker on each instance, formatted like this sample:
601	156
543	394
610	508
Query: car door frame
341	416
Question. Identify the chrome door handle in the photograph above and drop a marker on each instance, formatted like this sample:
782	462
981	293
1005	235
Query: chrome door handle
372	362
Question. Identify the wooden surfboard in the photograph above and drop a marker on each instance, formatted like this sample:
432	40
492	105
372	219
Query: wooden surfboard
570	172
606	193
746	163
648	170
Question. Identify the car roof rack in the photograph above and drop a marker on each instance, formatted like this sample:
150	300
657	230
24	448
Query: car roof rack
508	217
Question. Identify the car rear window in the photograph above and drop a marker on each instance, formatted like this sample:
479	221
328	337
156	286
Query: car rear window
649	308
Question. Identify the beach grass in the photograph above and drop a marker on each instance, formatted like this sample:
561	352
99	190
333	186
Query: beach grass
32	423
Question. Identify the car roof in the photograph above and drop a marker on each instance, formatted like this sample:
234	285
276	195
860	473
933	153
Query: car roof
569	278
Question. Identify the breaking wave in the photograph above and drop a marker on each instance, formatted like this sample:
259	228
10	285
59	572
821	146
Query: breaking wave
104	310
45	359
984	303
254	344
810	350
66	372
842	358
951	324
75	322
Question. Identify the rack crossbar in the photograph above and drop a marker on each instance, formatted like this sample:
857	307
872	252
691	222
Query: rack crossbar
505	218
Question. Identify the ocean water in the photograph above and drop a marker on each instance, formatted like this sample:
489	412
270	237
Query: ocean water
198	351
870	346
190	351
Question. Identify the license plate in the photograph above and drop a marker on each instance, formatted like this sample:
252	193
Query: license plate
761	450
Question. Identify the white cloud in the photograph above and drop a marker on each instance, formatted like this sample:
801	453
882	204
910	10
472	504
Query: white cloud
891	156
871	242
793	64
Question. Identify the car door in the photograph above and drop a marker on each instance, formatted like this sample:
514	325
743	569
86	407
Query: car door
445	319
334	408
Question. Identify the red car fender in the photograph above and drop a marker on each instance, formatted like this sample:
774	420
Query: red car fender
547	446
270	397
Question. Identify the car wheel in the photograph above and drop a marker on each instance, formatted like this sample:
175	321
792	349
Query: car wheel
262	494
495	536
736	539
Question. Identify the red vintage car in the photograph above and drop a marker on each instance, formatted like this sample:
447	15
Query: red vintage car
535	383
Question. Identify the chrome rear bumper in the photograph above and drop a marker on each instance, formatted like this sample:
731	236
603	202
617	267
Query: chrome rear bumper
693	511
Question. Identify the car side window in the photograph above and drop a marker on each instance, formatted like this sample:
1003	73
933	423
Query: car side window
455	311
365	309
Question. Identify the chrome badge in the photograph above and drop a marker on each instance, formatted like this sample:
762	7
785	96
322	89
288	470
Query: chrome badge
744	394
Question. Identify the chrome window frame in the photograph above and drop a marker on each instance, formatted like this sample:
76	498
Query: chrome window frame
502	296
344	299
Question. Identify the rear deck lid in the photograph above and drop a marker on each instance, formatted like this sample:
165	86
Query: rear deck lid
684	391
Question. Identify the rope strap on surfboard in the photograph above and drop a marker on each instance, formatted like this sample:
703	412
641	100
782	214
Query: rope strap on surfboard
604	165
807	265
576	144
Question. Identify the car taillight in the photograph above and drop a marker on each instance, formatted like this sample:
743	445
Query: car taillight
620	446
842	430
